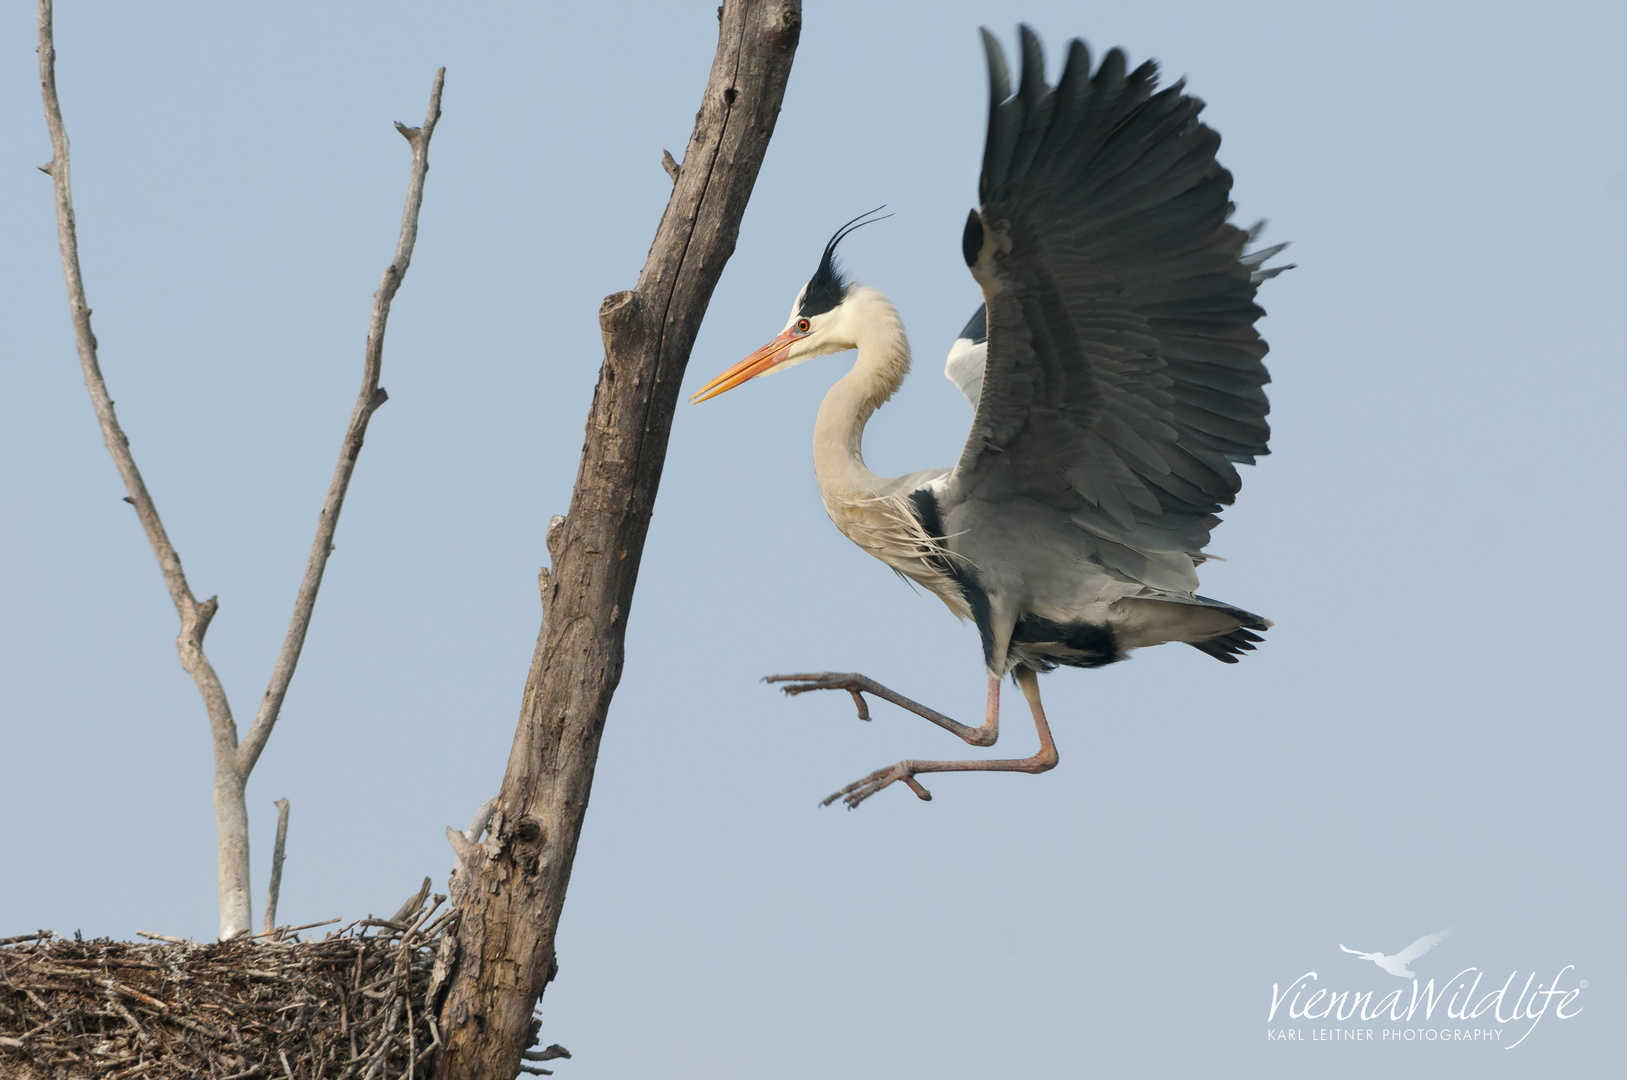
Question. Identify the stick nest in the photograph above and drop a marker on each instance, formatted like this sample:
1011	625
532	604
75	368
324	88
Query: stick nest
352	1006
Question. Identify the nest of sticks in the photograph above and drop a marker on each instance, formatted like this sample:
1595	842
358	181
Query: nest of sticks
356	1005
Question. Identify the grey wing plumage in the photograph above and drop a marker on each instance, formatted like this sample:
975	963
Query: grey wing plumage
1123	379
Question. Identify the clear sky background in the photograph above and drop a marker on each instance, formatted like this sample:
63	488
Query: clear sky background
1431	736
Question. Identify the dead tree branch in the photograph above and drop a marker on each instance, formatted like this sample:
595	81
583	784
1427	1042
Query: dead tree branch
233	762
510	912
195	616
367	402
277	853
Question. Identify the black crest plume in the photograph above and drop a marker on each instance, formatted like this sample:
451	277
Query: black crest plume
827	286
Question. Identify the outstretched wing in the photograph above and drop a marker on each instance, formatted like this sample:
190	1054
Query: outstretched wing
1421	946
1123	379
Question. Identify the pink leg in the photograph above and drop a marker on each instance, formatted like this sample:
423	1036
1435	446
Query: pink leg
1043	761
857	685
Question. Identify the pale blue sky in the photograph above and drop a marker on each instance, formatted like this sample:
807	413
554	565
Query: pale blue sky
1432	735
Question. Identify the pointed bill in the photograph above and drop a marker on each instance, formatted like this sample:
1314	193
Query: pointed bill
752	366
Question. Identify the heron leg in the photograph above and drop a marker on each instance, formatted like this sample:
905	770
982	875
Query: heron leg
1043	761
859	685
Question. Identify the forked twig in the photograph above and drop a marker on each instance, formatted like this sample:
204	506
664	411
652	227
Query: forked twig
233	760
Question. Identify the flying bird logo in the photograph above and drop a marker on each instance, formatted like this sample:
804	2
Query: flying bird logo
1397	965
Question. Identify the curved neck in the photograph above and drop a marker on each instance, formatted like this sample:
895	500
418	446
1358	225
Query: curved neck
883	361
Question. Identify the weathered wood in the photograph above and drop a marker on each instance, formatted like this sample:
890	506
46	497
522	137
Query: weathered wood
277	853
518	877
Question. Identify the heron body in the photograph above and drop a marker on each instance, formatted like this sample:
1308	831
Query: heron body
1116	378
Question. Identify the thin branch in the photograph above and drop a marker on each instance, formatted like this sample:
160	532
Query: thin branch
367	402
414	902
195	616
463	848
276	866
481	819
281	930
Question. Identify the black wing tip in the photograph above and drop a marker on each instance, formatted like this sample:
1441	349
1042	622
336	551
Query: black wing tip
1113	66
999	71
1033	84
971	238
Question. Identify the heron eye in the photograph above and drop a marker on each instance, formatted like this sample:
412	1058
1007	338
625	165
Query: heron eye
802	325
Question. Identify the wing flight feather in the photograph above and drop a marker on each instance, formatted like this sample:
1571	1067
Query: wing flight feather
1124	378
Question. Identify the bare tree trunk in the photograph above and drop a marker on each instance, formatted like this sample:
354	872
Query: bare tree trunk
233	761
518	877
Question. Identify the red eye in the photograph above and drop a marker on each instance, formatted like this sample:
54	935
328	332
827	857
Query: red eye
802	325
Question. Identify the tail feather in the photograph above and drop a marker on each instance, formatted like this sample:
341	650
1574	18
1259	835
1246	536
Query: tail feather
1228	647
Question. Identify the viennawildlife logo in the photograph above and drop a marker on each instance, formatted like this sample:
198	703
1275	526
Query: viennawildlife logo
1356	1003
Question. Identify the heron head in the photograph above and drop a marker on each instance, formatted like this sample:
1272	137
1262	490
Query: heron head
819	323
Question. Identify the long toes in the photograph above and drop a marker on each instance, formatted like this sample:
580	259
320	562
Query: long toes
860	790
848	792
814	677
828	799
858	797
820	680
859	793
793	689
801	684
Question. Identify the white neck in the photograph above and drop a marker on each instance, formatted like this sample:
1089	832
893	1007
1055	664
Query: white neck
873	326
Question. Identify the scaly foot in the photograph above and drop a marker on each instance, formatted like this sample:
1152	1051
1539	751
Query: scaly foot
860	790
828	680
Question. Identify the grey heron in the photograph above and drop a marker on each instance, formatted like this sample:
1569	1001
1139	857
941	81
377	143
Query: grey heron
1116	377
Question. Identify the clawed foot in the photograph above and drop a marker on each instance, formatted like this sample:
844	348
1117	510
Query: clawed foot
860	790
828	680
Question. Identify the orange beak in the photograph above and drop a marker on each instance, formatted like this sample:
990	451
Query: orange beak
749	368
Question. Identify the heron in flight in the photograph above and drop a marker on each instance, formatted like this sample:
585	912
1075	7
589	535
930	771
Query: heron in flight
1116	377
1397	964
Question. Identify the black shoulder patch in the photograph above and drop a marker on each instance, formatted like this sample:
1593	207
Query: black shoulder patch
926	512
977	327
971	241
